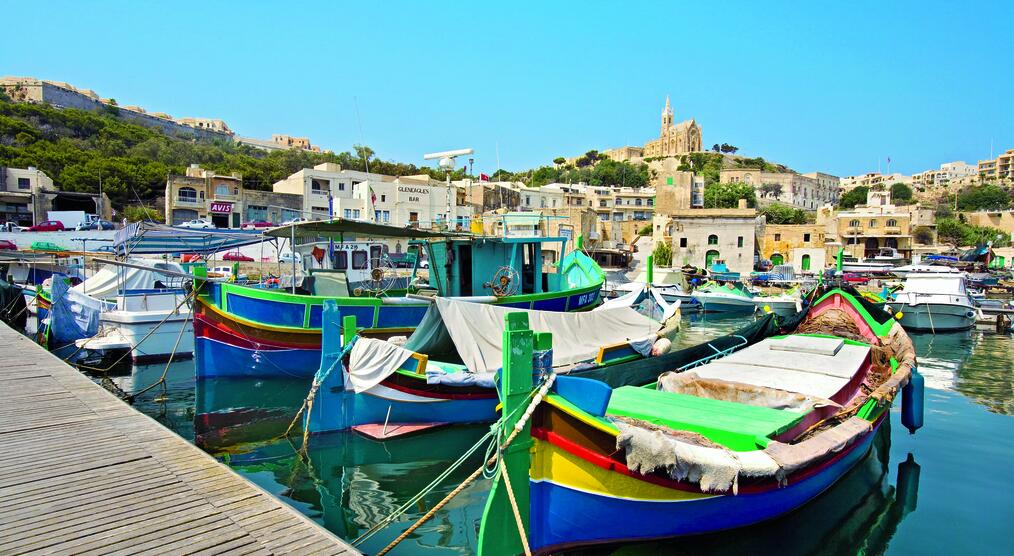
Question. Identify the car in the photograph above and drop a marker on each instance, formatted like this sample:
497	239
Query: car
853	278
7	245
48	226
287	258
198	223
12	227
236	256
96	225
297	220
425	263
256	224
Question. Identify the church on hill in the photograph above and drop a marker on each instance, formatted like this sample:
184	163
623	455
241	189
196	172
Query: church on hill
674	139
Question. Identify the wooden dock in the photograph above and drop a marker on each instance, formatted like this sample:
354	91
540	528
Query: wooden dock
82	472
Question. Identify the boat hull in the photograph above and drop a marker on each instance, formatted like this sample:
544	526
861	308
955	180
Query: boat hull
148	337
938	317
782	307
653	511
271	335
712	303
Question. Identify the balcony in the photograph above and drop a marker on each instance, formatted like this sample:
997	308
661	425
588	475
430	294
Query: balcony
854	231
189	202
892	231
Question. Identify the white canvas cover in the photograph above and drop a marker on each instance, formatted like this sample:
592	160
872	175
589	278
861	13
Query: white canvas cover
106	283
477	331
638	294
371	361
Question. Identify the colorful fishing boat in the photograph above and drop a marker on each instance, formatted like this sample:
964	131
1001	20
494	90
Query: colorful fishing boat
248	331
731	440
446	372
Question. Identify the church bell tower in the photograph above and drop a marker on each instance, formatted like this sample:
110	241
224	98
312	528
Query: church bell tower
666	116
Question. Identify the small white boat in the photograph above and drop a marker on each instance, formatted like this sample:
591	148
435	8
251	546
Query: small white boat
724	299
785	304
884	261
935	302
904	271
147	324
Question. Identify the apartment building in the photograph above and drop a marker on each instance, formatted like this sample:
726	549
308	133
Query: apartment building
999	168
866	229
804	191
21	195
947	173
873	180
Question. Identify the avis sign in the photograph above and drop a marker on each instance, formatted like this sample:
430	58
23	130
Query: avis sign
220	207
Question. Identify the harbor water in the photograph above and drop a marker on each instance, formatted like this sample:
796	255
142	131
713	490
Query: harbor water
941	490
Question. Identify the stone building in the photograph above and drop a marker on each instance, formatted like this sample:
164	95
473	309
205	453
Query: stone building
701	237
866	229
873	180
801	245
807	192
674	138
21	195
201	193
1000	168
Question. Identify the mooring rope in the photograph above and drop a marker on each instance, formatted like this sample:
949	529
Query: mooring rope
540	394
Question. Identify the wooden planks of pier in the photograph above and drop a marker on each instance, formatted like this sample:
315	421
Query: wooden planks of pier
81	472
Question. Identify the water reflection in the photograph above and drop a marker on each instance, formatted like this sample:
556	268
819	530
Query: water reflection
976	363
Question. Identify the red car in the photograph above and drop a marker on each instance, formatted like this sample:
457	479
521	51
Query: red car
257	224
236	256
853	278
7	245
47	226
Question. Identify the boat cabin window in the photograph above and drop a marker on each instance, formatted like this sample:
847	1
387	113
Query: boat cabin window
341	260
376	252
360	260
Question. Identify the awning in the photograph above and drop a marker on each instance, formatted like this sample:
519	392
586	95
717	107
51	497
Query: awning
153	238
340	226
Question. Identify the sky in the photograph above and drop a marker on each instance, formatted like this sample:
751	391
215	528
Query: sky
819	86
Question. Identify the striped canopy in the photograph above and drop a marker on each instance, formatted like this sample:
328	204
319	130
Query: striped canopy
153	238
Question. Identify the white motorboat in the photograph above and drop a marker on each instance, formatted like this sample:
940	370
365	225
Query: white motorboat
935	302
904	271
148	325
716	298
882	262
785	304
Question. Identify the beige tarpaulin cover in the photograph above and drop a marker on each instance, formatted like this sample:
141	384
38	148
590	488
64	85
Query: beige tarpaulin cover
477	331
372	360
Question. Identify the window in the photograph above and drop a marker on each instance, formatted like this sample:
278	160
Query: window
360	260
24	183
347	213
341	186
376	216
320	187
383	198
853	223
387	216
528	201
651	202
739	241
222	190
186	195
712	239
892	223
637	202
806	238
322	211
683	242
355	214
778	237
602	202
341	261
806	262
873	223
376	252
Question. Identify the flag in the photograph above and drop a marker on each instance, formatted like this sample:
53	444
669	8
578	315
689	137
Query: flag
483	177
373	196
888	160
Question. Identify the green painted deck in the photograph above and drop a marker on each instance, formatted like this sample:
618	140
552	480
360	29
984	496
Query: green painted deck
83	472
734	425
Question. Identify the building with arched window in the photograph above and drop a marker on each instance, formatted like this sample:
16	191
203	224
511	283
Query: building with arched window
201	193
699	237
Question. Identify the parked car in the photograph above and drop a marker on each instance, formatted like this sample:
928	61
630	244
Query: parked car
190	257
225	272
6	245
47	226
257	224
96	225
236	256
12	227
199	223
46	246
856	279
287	258
297	220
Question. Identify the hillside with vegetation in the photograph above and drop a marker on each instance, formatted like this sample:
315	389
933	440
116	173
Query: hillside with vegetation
77	148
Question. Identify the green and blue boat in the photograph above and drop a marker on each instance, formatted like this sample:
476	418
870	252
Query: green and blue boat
251	331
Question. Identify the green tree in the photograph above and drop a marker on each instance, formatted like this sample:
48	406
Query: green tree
662	254
854	197
134	213
955	231
728	195
559	161
777	213
984	197
901	194
645	230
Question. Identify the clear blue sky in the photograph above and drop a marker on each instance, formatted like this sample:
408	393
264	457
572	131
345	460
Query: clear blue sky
835	87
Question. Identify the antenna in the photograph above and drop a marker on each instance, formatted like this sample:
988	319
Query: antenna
447	165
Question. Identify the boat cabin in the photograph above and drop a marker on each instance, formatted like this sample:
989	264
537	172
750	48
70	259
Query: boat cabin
496	266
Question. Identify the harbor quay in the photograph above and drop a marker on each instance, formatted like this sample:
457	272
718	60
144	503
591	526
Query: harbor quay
83	472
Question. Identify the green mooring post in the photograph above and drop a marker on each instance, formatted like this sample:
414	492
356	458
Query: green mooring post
579	244
651	269
201	272
498	531
348	329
